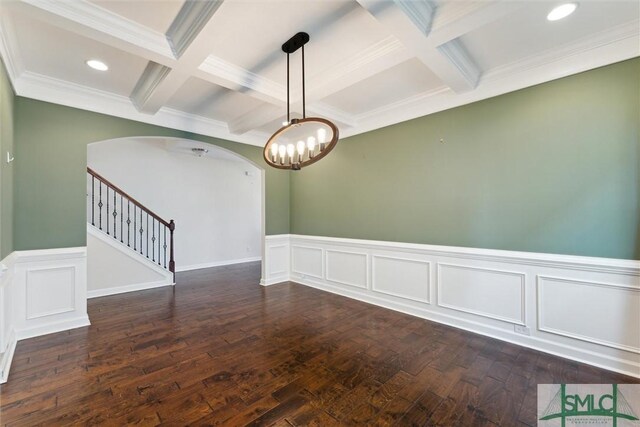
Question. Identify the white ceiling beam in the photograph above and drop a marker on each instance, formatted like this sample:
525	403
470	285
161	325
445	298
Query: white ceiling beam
89	20
192	18
222	73
397	18
158	83
455	19
255	118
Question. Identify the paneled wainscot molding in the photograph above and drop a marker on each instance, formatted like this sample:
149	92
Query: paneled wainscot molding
582	308
41	292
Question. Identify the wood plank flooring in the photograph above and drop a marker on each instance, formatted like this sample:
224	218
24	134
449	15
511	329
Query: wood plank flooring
222	350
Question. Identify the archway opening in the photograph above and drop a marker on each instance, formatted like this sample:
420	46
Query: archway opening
215	196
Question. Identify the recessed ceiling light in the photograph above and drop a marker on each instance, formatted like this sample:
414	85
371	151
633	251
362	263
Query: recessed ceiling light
97	65
562	11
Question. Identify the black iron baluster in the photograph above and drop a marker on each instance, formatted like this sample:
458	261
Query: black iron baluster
153	239
165	247
93	200
141	230
159	238
134	228
115	215
172	261
100	205
128	221
107	219
121	221
147	235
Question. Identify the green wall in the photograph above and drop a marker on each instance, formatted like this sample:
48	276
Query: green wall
553	168
50	171
7	100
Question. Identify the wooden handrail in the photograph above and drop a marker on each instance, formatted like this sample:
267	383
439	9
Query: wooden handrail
125	194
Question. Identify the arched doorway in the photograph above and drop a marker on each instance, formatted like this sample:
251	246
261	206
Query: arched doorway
215	196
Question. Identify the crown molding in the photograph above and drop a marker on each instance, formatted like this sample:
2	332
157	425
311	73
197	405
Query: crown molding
9	48
457	55
325	110
151	77
607	47
609	37
421	13
44	88
233	77
191	19
104	21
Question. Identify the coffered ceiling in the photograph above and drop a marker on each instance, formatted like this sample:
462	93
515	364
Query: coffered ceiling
216	68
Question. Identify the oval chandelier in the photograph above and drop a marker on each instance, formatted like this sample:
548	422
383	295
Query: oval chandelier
299	142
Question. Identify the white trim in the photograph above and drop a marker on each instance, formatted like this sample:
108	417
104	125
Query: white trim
57	254
9	48
540	323
191	19
421	13
106	22
596	264
457	54
216	264
53	327
129	288
7	357
523	277
232	76
328	270
274	281
49	89
397	294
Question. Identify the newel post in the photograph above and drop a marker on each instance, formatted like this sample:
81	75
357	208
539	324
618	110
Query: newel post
172	262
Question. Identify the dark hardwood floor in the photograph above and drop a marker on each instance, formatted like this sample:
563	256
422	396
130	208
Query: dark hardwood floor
223	350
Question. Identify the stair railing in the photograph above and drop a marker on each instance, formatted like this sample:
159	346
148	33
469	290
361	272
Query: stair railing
124	218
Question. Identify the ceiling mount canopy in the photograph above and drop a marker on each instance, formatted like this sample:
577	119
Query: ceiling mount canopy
300	142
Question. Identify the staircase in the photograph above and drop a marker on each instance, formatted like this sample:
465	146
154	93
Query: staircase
114	212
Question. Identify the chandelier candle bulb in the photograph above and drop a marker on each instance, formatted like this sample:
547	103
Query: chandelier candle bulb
301	148
274	152
322	137
291	150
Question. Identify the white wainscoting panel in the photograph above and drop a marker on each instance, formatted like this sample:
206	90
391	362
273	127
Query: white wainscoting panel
582	308
402	277
276	265
50	291
307	261
44	291
347	268
497	294
590	311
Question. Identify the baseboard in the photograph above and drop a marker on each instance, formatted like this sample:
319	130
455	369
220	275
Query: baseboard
274	280
7	357
216	264
535	343
129	288
53	327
